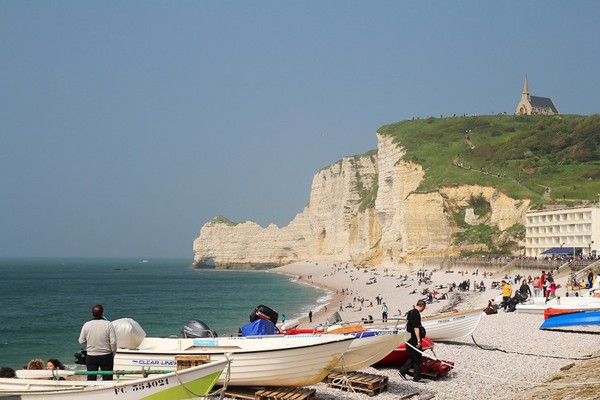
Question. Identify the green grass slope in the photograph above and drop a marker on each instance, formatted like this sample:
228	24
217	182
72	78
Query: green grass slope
542	158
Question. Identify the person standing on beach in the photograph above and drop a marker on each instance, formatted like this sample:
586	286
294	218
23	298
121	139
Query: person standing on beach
506	293
414	348
536	286
100	341
310	316
384	312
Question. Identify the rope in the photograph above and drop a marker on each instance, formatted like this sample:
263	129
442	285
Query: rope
532	354
508	379
343	380
220	392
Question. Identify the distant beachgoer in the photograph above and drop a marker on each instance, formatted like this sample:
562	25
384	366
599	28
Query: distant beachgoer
547	287
551	288
341	306
384	313
506	293
310	316
536	286
543	278
100	339
35	364
525	289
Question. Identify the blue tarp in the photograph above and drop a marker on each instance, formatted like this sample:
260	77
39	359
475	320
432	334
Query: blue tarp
258	327
563	250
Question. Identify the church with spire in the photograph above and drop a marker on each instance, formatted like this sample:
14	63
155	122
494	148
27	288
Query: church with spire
530	105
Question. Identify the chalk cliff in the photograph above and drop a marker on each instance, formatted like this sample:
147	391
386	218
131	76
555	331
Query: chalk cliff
365	210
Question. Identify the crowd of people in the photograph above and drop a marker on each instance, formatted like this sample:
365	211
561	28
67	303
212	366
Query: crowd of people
35	364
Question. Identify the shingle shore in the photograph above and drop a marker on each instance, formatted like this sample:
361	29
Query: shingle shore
507	356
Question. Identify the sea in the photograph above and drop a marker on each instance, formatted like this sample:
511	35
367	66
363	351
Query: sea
45	301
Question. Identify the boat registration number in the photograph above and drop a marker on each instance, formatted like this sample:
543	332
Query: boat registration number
136	387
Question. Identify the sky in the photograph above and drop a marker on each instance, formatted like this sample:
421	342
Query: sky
127	125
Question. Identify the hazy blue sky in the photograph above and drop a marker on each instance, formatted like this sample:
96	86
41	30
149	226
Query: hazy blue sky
127	125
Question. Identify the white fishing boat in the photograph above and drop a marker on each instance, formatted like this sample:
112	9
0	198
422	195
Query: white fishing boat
446	326
184	384
269	360
539	304
452	325
368	347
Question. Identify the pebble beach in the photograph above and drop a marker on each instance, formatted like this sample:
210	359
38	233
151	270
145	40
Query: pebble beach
507	357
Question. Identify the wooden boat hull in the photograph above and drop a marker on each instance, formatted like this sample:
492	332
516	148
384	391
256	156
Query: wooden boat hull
578	318
270	360
452	325
447	326
184	384
368	348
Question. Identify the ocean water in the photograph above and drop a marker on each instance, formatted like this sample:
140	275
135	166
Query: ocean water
44	302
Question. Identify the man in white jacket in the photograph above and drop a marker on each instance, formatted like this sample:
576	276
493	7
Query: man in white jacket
100	341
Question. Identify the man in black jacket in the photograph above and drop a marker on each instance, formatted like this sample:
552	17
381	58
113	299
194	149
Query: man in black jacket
414	348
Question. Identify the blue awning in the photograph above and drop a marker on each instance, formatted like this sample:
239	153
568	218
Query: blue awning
563	250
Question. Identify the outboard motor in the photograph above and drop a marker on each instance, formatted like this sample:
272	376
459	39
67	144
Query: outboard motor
264	312
195	328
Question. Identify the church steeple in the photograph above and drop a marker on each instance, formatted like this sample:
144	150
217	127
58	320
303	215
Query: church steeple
524	106
526	88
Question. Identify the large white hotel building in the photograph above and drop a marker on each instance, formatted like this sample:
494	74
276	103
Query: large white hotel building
556	230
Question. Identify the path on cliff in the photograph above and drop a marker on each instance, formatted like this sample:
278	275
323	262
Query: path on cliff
545	196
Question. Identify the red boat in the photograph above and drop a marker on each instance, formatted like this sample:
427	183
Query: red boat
548	312
398	357
430	368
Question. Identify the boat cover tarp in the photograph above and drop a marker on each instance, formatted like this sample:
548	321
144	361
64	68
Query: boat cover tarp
563	251
258	327
129	332
572	319
336	318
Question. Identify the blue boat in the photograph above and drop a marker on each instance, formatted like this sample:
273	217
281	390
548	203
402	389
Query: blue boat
572	319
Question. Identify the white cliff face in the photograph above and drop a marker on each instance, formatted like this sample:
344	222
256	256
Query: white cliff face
341	224
505	211
410	221
330	228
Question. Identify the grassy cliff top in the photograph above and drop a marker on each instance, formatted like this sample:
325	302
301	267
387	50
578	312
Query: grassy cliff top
543	158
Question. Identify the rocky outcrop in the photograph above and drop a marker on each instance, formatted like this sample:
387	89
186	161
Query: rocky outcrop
365	210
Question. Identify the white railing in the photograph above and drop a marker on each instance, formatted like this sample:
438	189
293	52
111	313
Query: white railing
579	273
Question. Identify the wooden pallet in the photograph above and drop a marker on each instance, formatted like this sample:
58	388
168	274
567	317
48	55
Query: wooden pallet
370	384
239	392
286	393
279	393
